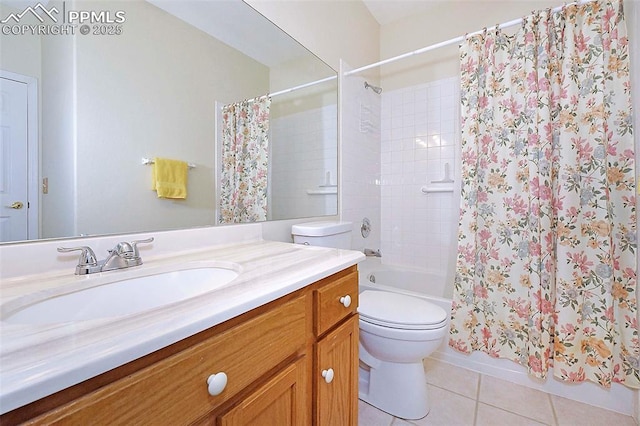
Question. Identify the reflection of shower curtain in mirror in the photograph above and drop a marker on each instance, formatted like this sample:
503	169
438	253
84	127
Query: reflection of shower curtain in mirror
245	159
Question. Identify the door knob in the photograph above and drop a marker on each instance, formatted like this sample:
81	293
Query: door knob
17	205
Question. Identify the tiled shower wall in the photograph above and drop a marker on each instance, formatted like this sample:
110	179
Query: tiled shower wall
360	158
304	159
419	141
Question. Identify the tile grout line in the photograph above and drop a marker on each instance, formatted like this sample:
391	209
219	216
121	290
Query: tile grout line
453	392
522	416
477	407
518	414
553	410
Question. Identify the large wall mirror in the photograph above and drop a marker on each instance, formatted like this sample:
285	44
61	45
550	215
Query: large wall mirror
118	82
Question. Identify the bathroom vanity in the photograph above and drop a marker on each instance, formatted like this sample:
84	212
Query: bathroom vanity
279	345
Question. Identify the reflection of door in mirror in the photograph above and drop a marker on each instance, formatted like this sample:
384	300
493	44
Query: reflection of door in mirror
13	160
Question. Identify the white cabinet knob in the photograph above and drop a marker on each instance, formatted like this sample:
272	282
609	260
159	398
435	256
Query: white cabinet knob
346	301
328	374
217	383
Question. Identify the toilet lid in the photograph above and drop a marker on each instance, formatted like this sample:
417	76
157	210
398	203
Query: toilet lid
399	311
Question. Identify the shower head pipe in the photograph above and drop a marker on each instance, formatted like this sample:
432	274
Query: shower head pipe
376	89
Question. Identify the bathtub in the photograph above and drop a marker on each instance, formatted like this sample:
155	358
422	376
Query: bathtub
405	280
432	286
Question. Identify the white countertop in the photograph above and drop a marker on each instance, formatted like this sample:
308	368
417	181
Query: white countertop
36	361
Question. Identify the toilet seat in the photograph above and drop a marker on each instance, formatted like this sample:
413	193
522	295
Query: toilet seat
400	311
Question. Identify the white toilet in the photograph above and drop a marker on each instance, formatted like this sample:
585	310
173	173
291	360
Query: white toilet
396	333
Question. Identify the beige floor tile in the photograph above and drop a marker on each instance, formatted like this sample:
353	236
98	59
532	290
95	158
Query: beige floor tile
448	409
499	403
452	378
369	415
517	399
492	416
570	413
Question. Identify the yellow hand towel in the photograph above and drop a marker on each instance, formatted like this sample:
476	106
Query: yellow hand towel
169	178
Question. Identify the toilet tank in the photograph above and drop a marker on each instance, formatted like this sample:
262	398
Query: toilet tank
323	234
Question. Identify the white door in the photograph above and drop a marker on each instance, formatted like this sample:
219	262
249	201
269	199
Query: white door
13	160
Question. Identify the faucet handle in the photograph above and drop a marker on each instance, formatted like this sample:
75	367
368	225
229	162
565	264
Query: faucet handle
123	249
134	245
87	257
129	250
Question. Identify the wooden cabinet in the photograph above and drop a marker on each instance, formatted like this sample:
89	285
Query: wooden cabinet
337	357
336	352
175	390
273	358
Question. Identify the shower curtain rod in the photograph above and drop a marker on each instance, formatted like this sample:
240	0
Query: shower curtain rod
416	52
450	42
302	86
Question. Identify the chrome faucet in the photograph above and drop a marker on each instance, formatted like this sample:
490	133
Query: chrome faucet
123	255
371	252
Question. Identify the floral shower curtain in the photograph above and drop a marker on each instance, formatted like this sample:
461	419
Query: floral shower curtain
546	267
245	159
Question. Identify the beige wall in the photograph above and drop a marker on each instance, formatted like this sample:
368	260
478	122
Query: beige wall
20	53
333	30
151	92
297	72
58	136
446	20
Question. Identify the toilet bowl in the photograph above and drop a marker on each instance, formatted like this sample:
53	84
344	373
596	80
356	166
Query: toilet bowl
396	333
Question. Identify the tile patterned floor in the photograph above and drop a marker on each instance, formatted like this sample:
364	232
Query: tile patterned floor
461	397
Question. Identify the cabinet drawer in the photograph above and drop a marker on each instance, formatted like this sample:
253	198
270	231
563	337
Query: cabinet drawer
329	306
244	353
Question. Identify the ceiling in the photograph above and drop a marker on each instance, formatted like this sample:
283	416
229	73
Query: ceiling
387	11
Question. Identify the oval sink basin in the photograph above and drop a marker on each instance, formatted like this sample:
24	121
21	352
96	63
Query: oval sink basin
123	297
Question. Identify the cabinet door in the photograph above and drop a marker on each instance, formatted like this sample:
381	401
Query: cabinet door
336	376
281	401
